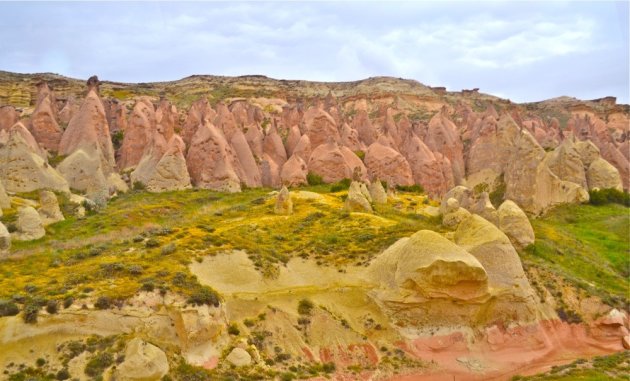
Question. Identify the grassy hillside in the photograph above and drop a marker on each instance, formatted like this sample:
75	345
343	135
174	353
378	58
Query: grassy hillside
145	240
588	246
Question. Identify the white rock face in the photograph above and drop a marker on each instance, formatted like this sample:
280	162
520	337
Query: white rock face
5	240
29	225
239	357
49	210
143	361
515	224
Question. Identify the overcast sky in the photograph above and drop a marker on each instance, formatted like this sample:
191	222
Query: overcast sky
525	51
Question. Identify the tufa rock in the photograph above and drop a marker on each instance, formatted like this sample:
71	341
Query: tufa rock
29	225
49	210
43	123
515	224
377	192
5	240
284	204
239	357
356	200
294	171
603	175
143	362
385	163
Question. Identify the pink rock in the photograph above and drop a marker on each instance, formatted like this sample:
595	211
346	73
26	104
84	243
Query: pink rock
225	120
249	171
199	112
425	167
89	129
350	138
167	119
384	163
43	124
303	148
367	133
142	125
273	147
320	126
293	138
333	163
8	117
294	171
210	160
442	136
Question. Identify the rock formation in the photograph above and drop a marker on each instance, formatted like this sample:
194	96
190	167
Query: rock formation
138	135
356	201
603	175
29	225
515	224
294	171
210	161
163	167
5	240
142	362
22	169
377	192
284	204
88	130
49	208
333	163
43	123
387	164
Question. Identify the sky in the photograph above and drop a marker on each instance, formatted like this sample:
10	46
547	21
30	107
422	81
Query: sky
521	50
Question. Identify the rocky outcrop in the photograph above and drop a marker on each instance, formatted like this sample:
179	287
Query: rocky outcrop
603	175
503	266
210	161
461	194
163	167
483	207
356	201
49	208
320	127
334	163
84	173
284	204
377	192
239	357
29	225
138	135
5	240
5	202
43	123
200	112
515	224
22	169
427	170
453	214
8	117
428	265
88	130
442	136
566	163
387	164
248	168
294	172
143	362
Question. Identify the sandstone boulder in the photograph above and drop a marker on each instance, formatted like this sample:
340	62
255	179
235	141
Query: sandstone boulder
22	169
603	175
5	202
143	362
239	357
49	208
284	204
566	163
356	201
29	225
483	207
588	152
460	193
505	272
515	224
5	240
377	192
428	265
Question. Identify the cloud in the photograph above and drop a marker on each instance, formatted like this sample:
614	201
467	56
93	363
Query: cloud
498	46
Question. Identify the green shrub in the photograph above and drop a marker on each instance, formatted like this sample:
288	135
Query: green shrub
138	186
117	138
40	362
98	364
31	310
340	185
168	249
415	188
233	329
204	295
360	154
609	196
67	302
314	179
8	308
103	303
152	242
63	374
51	307
305	306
